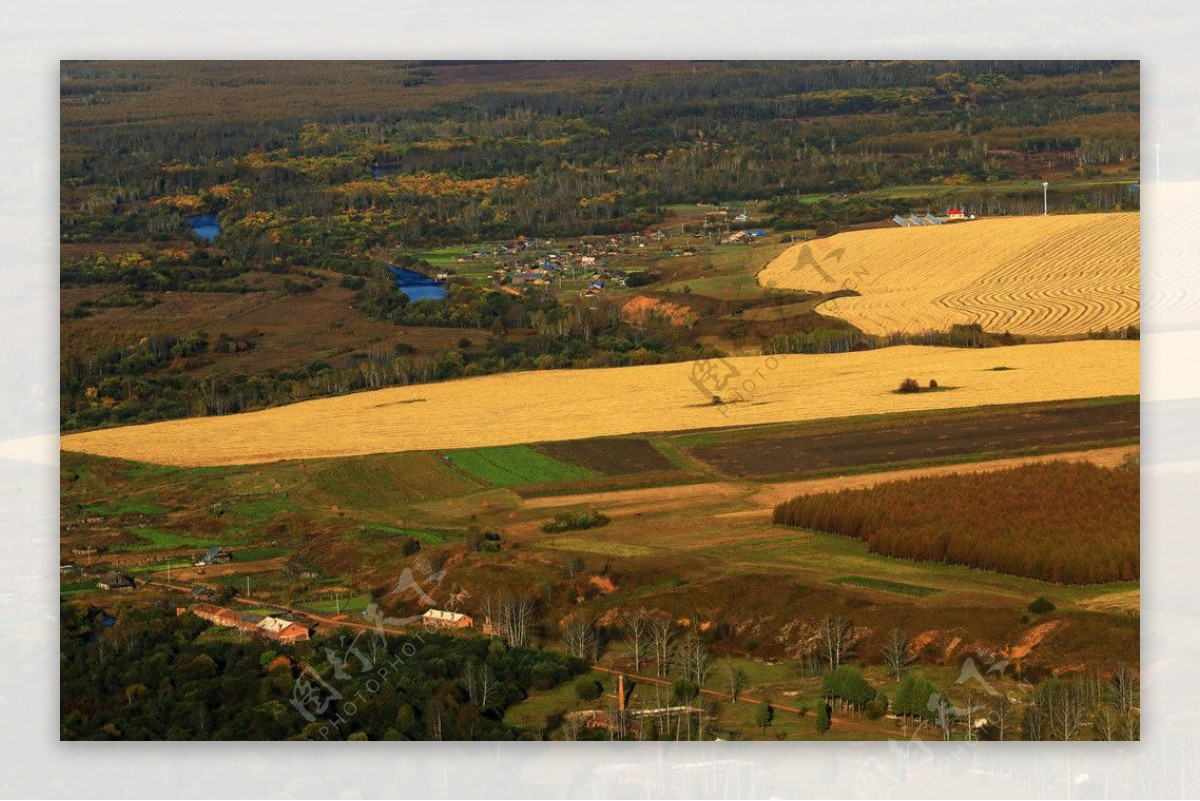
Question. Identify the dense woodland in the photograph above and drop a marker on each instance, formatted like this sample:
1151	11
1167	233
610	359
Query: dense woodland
146	674
1063	522
569	157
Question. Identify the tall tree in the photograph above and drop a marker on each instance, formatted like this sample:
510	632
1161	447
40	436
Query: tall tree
823	720
897	653
735	680
637	637
836	639
663	632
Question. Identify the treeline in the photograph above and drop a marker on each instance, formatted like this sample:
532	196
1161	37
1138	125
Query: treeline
153	676
845	340
1062	522
832	214
156	270
569	157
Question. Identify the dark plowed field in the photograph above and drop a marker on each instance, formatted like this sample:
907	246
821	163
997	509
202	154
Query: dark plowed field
989	431
611	456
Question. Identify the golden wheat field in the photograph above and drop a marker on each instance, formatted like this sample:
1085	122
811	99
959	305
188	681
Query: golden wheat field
574	404
1035	276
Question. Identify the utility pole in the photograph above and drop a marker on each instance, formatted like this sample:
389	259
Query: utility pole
1045	198
247	586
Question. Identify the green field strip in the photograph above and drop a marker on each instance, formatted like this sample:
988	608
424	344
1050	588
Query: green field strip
885	585
511	465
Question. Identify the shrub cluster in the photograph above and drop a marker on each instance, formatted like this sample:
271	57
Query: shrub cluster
574	521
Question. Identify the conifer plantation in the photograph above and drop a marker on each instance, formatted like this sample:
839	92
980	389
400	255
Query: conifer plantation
1071	523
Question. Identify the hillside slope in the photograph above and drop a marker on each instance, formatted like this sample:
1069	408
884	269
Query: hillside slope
1040	276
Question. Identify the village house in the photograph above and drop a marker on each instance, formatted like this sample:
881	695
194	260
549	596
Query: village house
217	615
215	555
274	628
441	619
115	581
297	569
282	630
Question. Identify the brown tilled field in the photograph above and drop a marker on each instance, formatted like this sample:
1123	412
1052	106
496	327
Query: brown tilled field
613	456
986	431
582	404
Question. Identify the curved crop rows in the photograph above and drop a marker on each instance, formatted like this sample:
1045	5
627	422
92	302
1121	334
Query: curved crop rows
547	405
1038	276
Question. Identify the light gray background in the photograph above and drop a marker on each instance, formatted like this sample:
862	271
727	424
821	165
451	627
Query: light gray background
34	36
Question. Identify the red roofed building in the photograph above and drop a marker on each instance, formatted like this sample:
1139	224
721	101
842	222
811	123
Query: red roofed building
282	630
217	615
955	214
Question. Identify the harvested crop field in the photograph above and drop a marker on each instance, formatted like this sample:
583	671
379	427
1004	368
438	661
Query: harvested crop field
580	404
1040	276
986	431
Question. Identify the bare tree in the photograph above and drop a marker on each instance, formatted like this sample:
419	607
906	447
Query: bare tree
434	718
693	659
482	685
836	639
1124	688
944	716
663	633
572	727
1061	706
1105	724
637	635
1130	727
809	660
516	621
897	653
970	716
579	638
1002	711
574	565
735	680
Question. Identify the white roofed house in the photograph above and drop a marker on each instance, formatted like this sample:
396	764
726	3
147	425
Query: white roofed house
283	630
441	619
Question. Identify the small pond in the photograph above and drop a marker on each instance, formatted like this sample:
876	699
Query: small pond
416	285
206	226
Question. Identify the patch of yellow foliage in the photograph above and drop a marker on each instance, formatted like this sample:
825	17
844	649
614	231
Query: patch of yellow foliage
433	185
